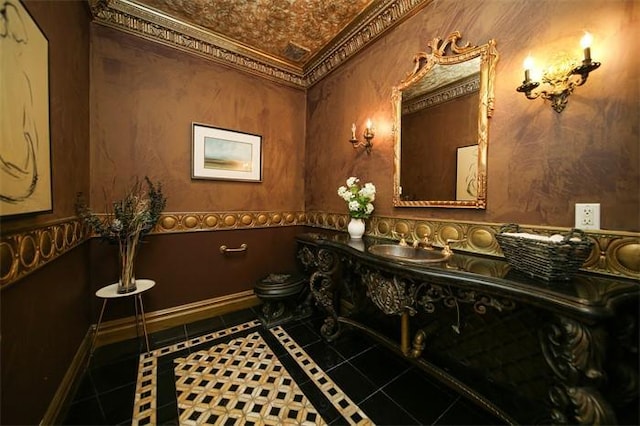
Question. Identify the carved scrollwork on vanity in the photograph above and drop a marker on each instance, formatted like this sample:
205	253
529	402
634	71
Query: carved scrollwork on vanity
574	352
391	295
324	264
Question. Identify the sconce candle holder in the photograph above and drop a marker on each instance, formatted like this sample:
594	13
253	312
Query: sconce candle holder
560	79
367	135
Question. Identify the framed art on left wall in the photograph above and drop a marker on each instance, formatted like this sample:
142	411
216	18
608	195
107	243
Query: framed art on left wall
25	150
225	154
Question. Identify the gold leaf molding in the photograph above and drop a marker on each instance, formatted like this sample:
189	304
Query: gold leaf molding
615	253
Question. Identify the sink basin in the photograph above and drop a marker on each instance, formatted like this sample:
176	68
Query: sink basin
407	253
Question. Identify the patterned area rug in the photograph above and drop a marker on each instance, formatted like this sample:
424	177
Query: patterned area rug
243	375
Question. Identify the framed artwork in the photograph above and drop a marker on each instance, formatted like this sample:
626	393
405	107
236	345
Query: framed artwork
25	150
225	154
467	173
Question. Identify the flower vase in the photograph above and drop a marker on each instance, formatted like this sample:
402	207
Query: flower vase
127	281
356	228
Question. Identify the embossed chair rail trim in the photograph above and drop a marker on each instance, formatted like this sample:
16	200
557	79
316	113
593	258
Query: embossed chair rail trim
23	251
614	252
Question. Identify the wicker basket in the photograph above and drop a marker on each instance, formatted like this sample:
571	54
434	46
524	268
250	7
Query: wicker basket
548	260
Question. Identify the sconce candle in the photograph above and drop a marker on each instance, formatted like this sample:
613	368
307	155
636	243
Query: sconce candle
528	64
585	42
353	131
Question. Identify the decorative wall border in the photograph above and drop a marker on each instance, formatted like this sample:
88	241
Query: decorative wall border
614	253
22	252
135	19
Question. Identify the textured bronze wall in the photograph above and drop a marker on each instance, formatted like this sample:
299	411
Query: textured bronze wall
145	97
540	162
45	316
189	267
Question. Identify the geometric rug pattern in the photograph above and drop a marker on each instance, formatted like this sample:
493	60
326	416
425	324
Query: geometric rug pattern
234	377
145	402
240	382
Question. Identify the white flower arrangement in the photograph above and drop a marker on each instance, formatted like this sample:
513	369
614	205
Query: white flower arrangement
359	199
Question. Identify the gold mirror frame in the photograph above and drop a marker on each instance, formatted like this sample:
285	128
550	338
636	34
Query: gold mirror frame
447	52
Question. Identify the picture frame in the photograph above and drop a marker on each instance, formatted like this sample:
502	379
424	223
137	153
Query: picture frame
223	154
467	173
25	145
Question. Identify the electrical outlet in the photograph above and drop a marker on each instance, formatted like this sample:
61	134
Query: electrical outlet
588	216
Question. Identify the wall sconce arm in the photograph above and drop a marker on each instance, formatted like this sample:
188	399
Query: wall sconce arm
367	135
559	80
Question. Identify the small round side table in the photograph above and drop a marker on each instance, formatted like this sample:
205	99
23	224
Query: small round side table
111	292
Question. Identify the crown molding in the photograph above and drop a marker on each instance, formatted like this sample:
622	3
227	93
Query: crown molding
150	24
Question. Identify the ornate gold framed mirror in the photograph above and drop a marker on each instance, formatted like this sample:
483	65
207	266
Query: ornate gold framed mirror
441	127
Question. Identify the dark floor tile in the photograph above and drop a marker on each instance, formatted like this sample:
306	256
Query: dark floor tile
166	388
422	398
119	351
356	386
203	327
294	370
167	337
273	343
85	390
117	405
302	334
87	412
320	402
114	375
323	354
239	317
384	411
464	412
380	365
168	414
315	320
351	343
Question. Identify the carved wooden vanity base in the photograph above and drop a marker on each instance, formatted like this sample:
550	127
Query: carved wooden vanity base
536	353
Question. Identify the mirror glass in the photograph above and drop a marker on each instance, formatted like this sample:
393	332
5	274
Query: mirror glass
441	126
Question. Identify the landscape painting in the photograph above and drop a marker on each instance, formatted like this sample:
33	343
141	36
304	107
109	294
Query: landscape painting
225	154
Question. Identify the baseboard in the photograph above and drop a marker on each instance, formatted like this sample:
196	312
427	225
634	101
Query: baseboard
125	328
71	380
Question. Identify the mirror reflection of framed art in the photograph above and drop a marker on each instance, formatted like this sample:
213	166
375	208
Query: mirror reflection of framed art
467	173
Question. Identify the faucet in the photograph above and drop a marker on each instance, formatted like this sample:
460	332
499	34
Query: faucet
402	242
424	242
447	249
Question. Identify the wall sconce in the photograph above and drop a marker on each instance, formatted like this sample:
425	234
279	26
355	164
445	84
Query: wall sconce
559	79
368	135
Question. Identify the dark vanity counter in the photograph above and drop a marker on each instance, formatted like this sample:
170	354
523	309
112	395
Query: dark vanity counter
527	350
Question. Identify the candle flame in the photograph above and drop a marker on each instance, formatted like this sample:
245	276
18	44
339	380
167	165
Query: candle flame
528	63
586	40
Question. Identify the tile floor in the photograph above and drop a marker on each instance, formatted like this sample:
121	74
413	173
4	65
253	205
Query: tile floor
388	389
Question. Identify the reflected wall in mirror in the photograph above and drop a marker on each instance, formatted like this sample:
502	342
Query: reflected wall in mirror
441	126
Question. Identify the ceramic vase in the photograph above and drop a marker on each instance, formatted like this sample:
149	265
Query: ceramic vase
356	228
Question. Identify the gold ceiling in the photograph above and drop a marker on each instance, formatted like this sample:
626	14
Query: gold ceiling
292	41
